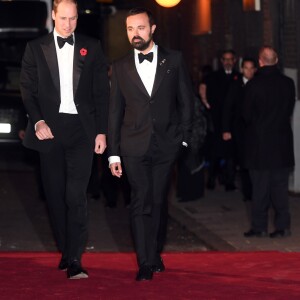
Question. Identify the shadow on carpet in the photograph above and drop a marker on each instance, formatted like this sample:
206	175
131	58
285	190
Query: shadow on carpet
204	275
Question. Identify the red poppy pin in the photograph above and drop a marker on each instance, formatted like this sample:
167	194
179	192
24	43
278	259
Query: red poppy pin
83	52
235	77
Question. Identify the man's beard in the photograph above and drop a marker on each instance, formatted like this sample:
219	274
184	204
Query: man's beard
141	44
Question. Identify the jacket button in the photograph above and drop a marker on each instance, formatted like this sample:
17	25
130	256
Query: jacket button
151	102
77	105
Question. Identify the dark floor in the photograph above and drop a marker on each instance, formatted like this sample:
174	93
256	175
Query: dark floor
24	223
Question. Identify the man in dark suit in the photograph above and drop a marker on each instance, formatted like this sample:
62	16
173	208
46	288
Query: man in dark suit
213	90
269	154
233	125
65	91
150	116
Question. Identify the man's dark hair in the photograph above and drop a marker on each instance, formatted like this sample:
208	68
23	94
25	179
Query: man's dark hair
141	10
249	59
231	51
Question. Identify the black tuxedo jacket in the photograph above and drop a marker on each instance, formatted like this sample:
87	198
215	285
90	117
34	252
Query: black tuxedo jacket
232	107
267	110
134	116
40	87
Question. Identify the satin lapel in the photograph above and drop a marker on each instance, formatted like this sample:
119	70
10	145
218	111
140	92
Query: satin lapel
161	69
80	52
49	51
134	75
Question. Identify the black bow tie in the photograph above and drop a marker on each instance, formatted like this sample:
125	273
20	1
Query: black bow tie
148	57
61	41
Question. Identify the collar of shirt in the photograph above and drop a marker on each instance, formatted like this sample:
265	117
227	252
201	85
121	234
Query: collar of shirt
55	34
228	72
136	54
245	80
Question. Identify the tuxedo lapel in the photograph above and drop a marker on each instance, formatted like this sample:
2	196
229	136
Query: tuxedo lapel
48	47
80	52
133	74
161	70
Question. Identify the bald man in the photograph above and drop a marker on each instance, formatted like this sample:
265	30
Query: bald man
269	156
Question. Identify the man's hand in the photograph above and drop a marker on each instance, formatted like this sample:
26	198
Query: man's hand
43	131
202	92
100	143
116	169
227	136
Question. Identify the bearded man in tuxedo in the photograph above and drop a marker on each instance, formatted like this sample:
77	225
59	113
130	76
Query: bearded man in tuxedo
65	90
150	117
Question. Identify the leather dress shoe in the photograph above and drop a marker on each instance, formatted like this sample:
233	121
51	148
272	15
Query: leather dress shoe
159	267
144	273
75	271
63	264
210	185
230	187
255	233
280	233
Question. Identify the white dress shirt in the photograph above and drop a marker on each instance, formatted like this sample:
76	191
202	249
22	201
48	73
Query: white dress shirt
245	80
65	57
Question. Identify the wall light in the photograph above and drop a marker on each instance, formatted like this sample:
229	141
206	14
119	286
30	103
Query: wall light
167	3
251	5
202	17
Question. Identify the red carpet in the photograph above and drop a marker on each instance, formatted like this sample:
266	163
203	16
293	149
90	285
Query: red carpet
205	275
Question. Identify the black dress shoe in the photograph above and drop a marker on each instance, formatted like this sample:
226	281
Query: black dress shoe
75	271
255	233
230	187
280	233
210	185
144	273
159	267
63	264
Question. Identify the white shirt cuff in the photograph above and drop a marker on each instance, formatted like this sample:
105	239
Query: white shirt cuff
114	159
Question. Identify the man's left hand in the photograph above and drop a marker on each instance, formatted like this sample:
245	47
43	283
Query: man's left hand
100	143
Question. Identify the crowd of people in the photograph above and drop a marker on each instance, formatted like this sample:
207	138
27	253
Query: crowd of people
250	113
150	119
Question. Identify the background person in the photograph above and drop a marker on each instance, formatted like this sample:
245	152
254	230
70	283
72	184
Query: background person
269	152
213	92
233	125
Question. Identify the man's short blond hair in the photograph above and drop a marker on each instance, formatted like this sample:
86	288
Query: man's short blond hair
57	2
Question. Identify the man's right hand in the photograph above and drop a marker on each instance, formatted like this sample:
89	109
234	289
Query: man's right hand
116	169
227	136
43	131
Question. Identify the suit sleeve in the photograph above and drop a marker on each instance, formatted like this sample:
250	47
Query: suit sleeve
228	108
29	85
248	103
116	113
101	91
185	98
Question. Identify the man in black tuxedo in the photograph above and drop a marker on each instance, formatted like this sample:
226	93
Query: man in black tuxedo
65	90
149	121
269	153
233	125
213	91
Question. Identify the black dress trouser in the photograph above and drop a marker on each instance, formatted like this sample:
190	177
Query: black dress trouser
270	187
149	179
65	172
